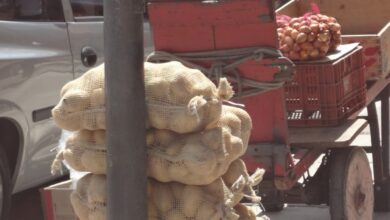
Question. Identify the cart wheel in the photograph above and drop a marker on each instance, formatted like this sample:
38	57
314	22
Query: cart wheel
351	193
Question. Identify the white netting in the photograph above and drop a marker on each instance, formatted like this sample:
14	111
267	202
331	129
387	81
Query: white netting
82	102
182	99
178	98
85	151
166	201
198	158
240	182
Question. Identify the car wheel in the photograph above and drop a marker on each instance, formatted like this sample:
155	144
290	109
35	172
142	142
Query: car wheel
5	187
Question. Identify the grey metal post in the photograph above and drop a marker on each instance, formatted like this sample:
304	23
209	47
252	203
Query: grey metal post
125	104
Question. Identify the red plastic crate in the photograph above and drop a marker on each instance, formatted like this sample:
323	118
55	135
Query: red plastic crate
326	94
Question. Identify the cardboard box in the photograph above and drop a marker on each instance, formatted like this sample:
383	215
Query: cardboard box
366	22
56	201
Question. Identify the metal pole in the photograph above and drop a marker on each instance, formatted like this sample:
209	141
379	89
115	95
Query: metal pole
125	104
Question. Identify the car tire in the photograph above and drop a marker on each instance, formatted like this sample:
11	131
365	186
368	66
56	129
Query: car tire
5	187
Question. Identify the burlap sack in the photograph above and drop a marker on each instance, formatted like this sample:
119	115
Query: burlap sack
178	98
166	201
198	158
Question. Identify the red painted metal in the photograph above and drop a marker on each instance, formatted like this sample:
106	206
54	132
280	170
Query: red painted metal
189	26
195	26
47	204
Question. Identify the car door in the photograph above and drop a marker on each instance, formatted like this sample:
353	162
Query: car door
85	25
35	62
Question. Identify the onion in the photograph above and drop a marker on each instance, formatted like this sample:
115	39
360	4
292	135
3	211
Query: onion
302	37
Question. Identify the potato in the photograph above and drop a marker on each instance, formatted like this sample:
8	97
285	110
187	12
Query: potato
164	137
192	198
66	121
79	207
177	189
207	211
178	171
152	210
157	117
75	101
212	138
175	214
73	159
235	170
94	161
97	98
163	197
157	168
245	212
98	213
99	137
96	191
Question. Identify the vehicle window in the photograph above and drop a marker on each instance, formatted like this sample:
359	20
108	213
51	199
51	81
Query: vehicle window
31	10
87	8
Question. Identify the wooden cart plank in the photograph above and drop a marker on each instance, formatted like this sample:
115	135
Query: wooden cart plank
327	137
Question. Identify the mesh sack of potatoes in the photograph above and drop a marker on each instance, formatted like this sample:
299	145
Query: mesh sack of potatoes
178	98
241	183
82	102
198	158
89	198
182	99
166	201
176	201
311	36
84	151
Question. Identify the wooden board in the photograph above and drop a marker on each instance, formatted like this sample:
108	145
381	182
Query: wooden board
327	137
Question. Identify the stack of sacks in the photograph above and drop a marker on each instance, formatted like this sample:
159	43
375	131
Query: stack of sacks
193	143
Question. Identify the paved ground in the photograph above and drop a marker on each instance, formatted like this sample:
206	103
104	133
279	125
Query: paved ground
302	212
